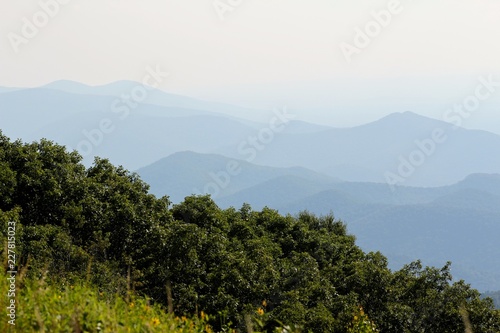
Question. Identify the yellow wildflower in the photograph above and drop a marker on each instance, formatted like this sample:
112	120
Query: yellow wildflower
260	311
155	321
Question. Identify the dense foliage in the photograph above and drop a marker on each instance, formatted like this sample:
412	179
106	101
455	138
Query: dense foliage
495	296
100	225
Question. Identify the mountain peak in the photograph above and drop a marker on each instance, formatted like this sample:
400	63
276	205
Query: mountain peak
487	182
485	177
406	115
65	85
408	120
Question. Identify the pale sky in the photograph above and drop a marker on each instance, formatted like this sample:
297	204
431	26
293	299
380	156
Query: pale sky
267	53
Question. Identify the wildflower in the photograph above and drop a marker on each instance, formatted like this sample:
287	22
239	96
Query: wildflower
131	305
202	315
155	321
260	311
264	303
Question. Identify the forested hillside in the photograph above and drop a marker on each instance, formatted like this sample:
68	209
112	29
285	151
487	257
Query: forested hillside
405	223
495	295
100	227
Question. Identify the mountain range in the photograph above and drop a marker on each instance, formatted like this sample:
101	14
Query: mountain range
407	185
459	222
395	148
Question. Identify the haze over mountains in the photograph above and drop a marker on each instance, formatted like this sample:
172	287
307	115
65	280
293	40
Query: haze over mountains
447	209
162	124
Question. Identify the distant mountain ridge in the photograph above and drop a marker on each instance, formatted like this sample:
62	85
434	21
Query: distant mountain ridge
71	113
457	222
185	173
368	152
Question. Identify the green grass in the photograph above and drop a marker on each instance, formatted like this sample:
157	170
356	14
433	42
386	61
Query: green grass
41	307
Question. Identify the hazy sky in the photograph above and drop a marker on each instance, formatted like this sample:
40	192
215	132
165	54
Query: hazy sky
425	57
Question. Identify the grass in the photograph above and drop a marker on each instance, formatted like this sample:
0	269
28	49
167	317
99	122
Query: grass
41	307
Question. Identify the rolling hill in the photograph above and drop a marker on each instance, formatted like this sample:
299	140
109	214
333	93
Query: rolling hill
186	173
459	222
